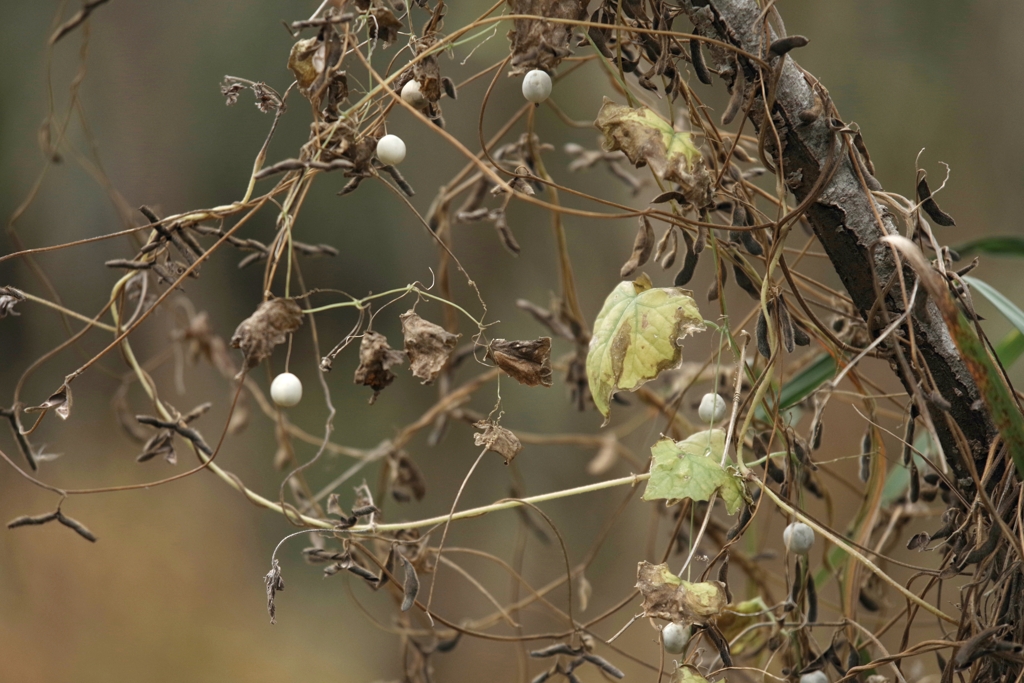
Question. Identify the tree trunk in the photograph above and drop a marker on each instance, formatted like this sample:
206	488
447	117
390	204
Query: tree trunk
845	217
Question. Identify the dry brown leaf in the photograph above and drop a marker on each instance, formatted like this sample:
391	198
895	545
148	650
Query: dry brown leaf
538	44
428	346
269	326
666	596
375	361
405	479
498	439
60	401
9	297
527	362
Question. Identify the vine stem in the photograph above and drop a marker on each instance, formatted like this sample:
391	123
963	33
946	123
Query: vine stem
907	593
503	505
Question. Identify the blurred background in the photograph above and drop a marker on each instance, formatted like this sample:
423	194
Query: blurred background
173	590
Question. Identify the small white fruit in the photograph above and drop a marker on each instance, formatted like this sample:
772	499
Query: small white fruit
286	390
390	150
814	677
712	408
798	537
536	86
413	94
674	637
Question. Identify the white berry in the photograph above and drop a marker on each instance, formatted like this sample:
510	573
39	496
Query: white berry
674	637
798	537
413	94
814	677
390	150
286	390
536	86
712	408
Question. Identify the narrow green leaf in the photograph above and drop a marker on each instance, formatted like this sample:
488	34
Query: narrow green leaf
997	245
1010	348
807	381
1005	306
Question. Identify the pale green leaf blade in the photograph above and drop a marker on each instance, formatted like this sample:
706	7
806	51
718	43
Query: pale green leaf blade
691	469
637	336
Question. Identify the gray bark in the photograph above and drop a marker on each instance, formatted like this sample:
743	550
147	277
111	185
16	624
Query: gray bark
843	219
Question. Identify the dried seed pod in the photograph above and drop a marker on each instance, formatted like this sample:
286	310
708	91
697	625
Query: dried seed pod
784	45
699	68
865	457
812	599
735	101
745	283
643	245
761	334
924	195
785	324
684	276
667	249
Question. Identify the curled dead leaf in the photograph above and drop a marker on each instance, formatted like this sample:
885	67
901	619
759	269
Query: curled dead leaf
668	597
527	362
375	361
647	139
9	297
539	44
405	480
59	400
498	439
269	326
428	346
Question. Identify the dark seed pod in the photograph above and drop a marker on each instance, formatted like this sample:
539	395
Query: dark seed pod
867	602
865	457
643	245
449	87
812	599
907	441
689	262
745	283
924	195
784	45
702	237
852	659
774	471
816	435
915	483
763	345
720	643
785	324
800	337
669	257
699	68
745	516
736	98
752	246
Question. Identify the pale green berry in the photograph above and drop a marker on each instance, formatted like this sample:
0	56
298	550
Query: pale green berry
536	86
286	390
712	408
674	637
799	538
390	150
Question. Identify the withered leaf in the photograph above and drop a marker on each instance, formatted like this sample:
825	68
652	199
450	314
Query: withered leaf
666	596
539	44
428	346
60	401
375	361
267	327
646	138
9	297
642	247
527	362
274	583
498	439
404	478
383	25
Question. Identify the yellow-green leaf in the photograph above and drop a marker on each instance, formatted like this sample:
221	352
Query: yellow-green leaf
637	336
646	138
666	596
688	674
691	469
